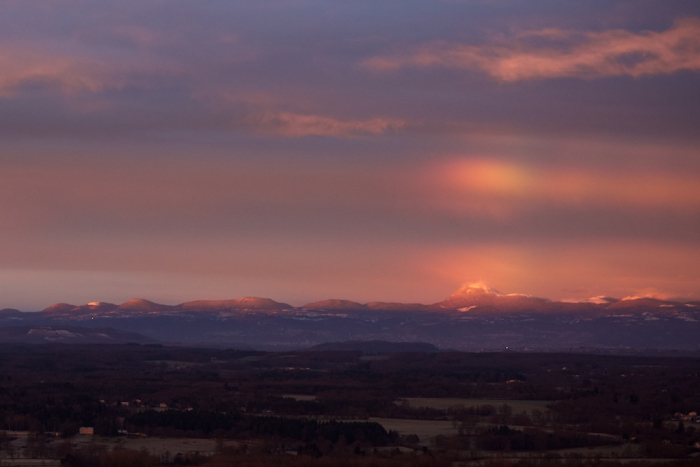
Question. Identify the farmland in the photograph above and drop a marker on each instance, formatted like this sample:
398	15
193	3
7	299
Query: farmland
156	405
517	406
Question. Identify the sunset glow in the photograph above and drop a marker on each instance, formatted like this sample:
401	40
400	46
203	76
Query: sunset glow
572	186
586	55
311	150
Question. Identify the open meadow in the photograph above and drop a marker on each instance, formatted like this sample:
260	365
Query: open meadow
516	406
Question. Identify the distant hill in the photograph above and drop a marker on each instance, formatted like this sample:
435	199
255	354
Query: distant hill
480	295
392	306
376	347
475	317
60	308
334	304
139	304
88	307
69	335
10	311
245	303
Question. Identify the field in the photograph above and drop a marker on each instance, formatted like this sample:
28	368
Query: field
425	429
155	446
31	462
453	406
300	397
517	406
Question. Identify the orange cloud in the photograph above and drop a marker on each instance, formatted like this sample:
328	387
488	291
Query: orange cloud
507	185
72	72
297	125
562	270
68	74
592	55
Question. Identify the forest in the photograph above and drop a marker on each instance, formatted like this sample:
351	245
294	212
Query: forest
149	404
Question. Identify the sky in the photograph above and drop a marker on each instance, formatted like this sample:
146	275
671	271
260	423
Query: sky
384	150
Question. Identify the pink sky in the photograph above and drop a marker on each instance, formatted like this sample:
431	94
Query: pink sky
307	150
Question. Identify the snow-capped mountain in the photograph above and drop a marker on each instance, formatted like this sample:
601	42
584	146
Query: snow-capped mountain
475	317
479	295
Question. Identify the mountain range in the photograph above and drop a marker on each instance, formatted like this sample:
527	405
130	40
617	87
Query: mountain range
475	317
473	298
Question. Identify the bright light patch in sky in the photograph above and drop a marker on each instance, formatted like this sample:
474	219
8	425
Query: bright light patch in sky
311	150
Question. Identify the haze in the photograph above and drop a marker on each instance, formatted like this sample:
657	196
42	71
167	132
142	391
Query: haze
372	151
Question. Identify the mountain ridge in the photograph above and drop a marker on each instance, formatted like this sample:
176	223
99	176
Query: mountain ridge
475	318
470	298
69	335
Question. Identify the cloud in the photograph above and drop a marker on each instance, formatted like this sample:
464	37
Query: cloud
84	81
554	53
579	269
70	72
297	125
67	74
501	187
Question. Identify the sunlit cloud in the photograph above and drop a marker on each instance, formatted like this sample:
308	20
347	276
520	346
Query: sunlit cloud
508	186
296	125
564	54
66	74
577	272
24	69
